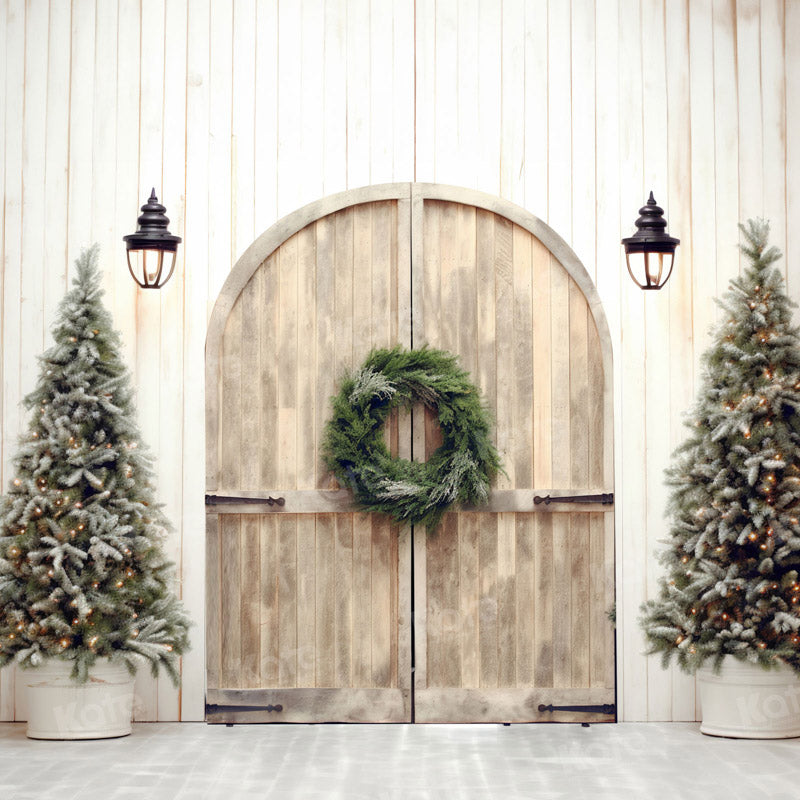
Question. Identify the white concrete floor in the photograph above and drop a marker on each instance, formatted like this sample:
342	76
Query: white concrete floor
165	761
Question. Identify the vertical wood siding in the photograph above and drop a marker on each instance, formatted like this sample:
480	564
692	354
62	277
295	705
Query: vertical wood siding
240	111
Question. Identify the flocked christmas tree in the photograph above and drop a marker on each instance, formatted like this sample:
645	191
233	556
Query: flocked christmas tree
732	583
82	568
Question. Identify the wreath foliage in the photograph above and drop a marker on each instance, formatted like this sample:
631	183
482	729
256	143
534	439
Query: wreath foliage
412	492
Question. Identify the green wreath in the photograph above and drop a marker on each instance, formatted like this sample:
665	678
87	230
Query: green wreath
411	492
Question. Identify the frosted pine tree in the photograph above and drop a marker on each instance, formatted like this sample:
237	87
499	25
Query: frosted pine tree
82	569
733	557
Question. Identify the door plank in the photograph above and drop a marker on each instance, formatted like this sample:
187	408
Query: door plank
306	620
362	600
325	601
231	427
488	641
435	557
542	370
486	373
325	321
430	278
504	349
522	409
422	618
595	415
562	599
382	609
525	617
466	287
250	599
506	601
361	319
270	601
213	602
287	600
580	608
343	291
560	431
344	599
469	598
543	588
599	623
384	274
448	277
287	365
249	438
231	587
305	359
268	277
448	573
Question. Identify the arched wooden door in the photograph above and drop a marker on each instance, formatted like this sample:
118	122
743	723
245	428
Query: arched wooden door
317	613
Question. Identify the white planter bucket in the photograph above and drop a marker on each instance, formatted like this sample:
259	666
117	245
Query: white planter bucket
747	702
60	708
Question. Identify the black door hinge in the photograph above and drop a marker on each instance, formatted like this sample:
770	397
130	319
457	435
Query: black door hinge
606	499
213	708
605	708
221	499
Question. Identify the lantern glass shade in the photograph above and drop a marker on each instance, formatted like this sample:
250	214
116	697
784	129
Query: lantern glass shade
650	270
152	249
650	252
151	268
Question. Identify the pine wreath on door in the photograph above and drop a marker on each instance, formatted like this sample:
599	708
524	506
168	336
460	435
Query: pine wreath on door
308	603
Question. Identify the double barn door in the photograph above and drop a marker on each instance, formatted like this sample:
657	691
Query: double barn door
317	613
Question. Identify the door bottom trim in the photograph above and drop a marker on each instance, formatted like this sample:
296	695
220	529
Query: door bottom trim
511	705
308	705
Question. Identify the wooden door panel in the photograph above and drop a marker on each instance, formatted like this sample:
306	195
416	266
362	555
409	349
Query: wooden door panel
490	584
305	609
512	606
308	601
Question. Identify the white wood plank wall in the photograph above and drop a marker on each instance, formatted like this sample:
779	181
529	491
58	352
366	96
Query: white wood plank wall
240	111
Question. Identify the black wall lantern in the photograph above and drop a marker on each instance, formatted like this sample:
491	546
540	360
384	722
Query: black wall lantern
152	249
650	252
